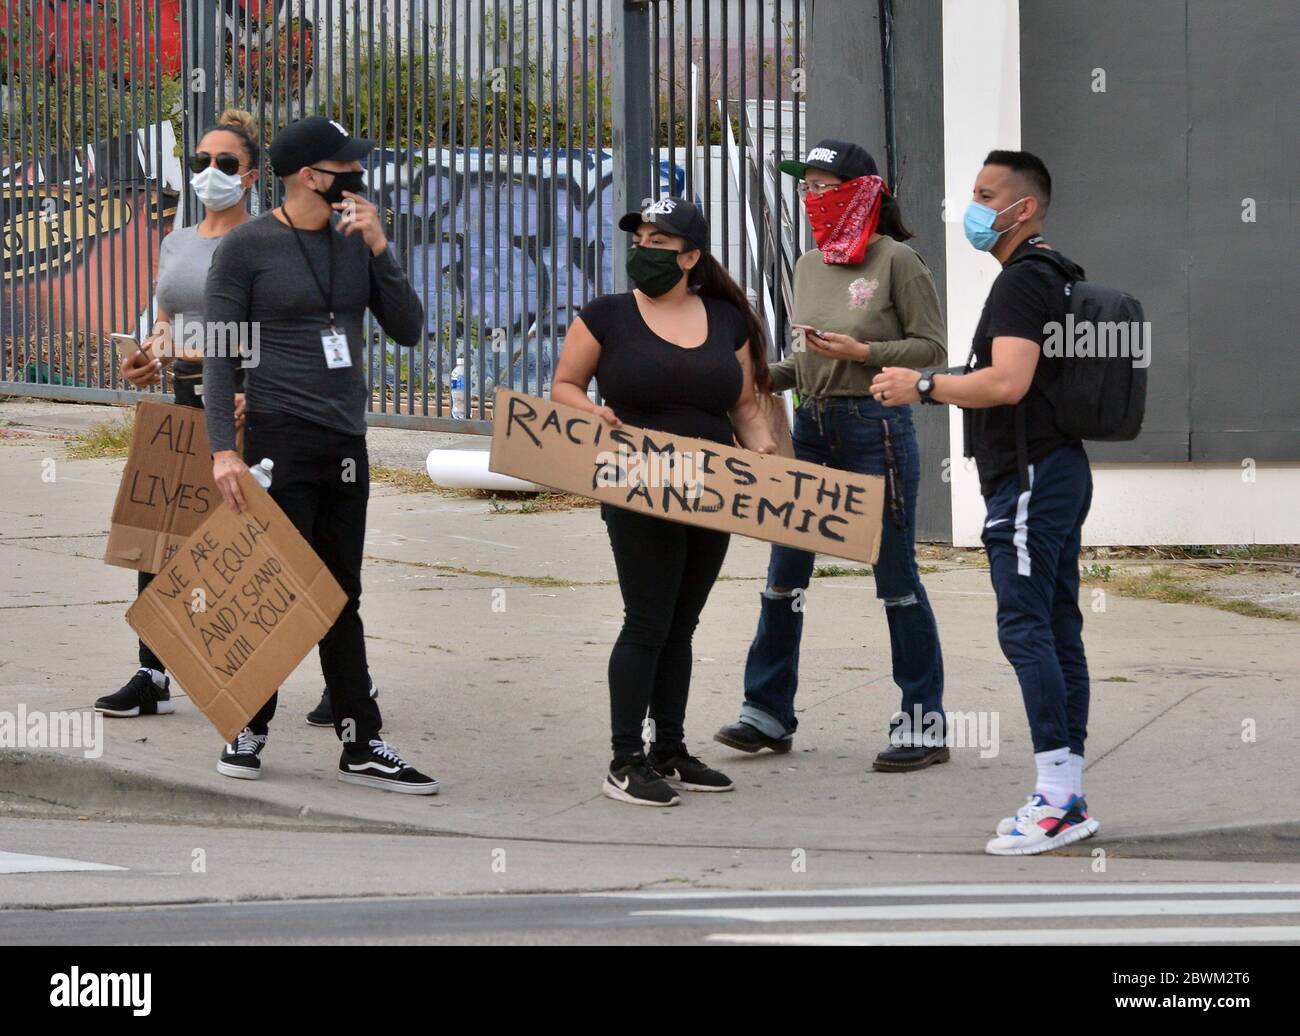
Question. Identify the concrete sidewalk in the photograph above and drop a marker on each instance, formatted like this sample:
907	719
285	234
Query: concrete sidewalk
509	709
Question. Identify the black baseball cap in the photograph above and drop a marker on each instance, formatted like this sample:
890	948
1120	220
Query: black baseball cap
311	140
845	160
675	216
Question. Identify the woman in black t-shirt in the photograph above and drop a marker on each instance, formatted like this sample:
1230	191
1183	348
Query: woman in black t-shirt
683	354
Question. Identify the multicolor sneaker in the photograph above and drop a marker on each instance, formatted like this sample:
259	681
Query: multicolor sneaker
1040	827
1007	824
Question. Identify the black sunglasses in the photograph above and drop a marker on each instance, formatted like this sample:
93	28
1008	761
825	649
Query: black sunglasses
226	162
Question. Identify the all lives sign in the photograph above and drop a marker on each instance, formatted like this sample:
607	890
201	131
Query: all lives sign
695	481
237	607
167	489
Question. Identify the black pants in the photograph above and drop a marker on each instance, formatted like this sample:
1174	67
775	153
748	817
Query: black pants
185	396
665	571
321	480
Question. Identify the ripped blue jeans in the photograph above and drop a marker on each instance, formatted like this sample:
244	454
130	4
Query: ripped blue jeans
849	432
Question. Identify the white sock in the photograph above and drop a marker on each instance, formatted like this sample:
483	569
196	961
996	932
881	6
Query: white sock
1076	772
1055	778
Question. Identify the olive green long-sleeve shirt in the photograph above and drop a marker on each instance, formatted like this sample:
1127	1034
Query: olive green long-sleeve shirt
887	300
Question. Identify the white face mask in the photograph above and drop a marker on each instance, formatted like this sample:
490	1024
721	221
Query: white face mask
217	190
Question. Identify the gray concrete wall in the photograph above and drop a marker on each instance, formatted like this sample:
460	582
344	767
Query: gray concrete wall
1152	176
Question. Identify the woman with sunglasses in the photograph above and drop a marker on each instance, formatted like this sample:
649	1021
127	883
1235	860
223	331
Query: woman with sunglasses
224	167
863	300
683	353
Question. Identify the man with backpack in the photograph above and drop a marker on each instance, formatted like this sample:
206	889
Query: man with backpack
1024	429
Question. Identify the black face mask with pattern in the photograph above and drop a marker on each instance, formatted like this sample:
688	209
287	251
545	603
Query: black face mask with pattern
352	180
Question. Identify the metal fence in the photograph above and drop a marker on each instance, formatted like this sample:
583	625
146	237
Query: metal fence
494	163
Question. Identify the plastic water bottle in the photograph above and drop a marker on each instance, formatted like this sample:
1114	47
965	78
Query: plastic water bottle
262	472
457	391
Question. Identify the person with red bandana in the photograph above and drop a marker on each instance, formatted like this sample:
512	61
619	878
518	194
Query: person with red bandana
863	300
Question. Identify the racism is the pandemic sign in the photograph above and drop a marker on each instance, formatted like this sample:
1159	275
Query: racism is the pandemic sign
695	481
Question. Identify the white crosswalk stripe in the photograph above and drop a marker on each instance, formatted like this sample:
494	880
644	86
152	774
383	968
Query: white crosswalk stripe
1021	914
22	863
1027	937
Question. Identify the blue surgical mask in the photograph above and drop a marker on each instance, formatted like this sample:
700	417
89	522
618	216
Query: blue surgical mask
979	222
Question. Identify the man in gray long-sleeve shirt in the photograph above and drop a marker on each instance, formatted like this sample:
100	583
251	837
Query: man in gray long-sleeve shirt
292	286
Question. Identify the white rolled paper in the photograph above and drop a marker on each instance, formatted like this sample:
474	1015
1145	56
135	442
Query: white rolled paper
468	469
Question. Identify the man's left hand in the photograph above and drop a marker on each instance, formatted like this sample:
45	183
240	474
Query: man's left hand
896	386
360	215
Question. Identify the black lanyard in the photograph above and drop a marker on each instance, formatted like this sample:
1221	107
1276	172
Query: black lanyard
326	293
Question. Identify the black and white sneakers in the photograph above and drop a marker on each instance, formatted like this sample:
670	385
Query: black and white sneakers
682	770
380	766
242	758
147	693
633	780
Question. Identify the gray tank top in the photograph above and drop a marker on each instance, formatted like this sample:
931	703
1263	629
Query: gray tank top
183	262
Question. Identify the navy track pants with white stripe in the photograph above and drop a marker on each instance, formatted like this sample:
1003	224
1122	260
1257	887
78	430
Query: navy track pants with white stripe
1032	538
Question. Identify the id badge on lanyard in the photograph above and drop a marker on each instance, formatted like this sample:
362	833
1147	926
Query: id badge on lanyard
334	341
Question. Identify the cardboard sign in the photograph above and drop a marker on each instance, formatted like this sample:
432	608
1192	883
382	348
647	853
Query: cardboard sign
167	489
695	481
238	606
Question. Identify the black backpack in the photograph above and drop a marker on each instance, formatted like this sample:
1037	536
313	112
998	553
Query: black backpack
1098	397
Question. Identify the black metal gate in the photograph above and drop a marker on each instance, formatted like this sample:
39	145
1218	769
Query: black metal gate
495	165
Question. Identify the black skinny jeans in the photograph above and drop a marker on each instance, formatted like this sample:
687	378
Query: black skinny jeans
321	480
665	572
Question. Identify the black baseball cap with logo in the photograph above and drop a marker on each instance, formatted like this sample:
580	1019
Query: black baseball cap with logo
675	216
847	161
311	140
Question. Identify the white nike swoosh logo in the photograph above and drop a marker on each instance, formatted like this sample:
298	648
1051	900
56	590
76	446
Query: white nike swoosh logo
357	767
996	521
620	785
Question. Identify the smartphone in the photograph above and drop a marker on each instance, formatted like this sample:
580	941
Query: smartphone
128	345
809	327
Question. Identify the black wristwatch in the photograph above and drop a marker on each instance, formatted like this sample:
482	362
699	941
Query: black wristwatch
924	386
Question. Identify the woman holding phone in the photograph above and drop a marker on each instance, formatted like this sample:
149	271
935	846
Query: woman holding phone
224	167
682	353
863	300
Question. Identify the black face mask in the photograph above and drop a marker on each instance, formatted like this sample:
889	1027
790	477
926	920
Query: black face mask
654	270
351	180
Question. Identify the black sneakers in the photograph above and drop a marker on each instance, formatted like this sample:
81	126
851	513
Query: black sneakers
633	780
380	766
242	758
682	770
140	697
323	715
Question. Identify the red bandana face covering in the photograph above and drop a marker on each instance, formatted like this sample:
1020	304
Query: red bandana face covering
844	218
